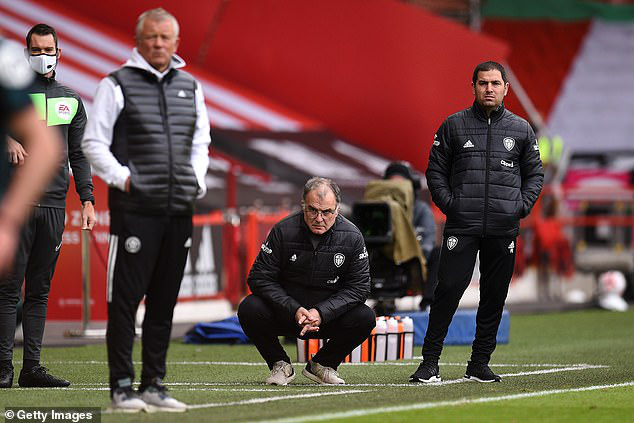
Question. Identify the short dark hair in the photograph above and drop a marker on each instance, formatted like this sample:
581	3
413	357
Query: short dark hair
316	181
41	29
487	66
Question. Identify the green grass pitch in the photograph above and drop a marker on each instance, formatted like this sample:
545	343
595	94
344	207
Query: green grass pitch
563	367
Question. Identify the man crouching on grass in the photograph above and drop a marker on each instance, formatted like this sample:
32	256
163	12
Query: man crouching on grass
310	280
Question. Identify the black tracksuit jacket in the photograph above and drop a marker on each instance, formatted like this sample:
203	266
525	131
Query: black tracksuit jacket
333	278
484	173
64	110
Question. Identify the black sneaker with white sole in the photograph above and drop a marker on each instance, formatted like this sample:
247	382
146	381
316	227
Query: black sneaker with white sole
426	373
481	373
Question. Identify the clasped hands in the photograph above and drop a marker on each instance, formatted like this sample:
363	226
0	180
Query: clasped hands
308	320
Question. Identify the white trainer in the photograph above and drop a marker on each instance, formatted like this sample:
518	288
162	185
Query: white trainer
282	374
127	401
157	399
322	374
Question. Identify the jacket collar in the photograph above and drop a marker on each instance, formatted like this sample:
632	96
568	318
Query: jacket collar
481	114
43	79
137	61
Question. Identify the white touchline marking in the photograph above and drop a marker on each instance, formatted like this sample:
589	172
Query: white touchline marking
415	363
529	373
232	389
556	370
512	364
174	389
269	399
379	410
374	363
175	385
77	362
60	389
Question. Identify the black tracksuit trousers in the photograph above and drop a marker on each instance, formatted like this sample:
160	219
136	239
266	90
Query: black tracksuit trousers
262	323
497	258
37	254
146	257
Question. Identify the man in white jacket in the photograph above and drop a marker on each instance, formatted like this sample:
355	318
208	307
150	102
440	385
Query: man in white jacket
148	138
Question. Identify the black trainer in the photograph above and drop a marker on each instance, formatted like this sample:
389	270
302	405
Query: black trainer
481	373
6	377
38	377
426	373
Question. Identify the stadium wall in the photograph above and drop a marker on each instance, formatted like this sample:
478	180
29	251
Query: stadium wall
383	74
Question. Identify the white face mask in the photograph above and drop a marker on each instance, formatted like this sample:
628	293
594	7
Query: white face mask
43	63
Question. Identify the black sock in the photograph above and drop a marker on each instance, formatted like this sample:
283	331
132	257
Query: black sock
29	364
6	363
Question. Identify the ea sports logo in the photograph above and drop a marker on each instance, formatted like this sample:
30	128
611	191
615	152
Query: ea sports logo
63	110
452	241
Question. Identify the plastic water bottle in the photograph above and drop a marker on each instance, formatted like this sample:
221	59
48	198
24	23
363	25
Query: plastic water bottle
368	346
408	329
381	340
301	351
392	339
355	355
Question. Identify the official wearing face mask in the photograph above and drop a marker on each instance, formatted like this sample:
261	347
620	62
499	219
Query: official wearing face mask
41	237
43	63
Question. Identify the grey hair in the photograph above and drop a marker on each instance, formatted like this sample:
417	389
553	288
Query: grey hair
158	14
316	182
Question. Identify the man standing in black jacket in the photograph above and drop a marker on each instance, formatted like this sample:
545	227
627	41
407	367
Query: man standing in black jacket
484	174
41	237
310	280
148	139
20	189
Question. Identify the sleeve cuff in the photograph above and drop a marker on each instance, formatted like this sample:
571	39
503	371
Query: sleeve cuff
293	306
321	314
202	191
122	176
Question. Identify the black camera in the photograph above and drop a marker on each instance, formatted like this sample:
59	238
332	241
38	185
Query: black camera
388	279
